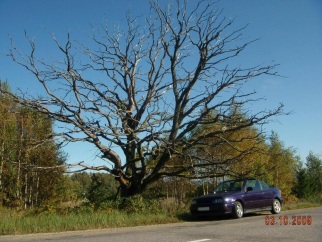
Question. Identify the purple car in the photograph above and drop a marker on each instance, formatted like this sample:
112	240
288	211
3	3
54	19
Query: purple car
238	197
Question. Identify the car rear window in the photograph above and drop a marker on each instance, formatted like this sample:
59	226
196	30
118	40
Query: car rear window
264	185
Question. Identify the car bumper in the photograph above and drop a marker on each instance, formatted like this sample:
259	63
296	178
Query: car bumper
211	209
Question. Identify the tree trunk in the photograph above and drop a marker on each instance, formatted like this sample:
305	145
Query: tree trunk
131	190
1	163
26	191
37	189
18	182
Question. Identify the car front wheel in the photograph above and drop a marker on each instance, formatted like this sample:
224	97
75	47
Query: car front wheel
238	210
276	208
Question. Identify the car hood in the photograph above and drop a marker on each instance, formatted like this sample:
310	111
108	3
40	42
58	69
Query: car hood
219	195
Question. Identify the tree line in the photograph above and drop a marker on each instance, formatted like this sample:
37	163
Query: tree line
29	175
163	101
33	173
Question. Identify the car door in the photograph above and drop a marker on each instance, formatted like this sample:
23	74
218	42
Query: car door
253	197
268	194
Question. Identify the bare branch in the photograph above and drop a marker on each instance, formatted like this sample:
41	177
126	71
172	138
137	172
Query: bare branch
147	89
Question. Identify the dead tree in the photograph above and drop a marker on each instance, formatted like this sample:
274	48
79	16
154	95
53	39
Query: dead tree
138	94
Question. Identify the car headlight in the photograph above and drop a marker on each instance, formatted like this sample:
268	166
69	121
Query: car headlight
217	200
193	202
228	200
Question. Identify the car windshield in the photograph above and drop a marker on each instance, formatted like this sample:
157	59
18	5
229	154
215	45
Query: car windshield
227	186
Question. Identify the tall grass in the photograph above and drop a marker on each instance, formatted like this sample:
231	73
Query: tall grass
109	215
138	212
13	223
304	203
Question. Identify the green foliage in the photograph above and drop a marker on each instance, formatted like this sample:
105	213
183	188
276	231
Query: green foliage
137	204
309	178
244	153
82	183
314	173
66	190
102	189
28	157
302	188
281	166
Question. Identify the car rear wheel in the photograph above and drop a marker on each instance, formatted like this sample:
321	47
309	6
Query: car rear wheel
276	208
238	210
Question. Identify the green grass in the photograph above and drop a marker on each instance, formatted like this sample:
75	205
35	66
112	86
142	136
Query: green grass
303	203
14	223
83	218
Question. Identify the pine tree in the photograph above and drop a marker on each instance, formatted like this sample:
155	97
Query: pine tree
314	173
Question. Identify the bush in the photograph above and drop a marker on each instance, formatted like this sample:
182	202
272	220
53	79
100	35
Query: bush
99	191
137	204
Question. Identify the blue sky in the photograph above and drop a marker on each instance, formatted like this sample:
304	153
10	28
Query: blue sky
289	32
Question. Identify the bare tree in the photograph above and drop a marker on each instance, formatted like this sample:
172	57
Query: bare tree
139	93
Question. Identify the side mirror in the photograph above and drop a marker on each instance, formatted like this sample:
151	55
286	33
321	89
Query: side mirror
248	189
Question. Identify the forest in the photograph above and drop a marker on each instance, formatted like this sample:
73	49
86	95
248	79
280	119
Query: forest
33	171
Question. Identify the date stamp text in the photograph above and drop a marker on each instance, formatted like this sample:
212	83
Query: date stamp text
288	220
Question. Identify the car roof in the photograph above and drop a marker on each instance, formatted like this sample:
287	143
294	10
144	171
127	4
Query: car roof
241	179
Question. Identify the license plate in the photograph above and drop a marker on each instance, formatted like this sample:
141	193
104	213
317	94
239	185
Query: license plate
201	209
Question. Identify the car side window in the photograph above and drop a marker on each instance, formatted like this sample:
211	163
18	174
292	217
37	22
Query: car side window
250	183
236	186
253	184
257	186
264	185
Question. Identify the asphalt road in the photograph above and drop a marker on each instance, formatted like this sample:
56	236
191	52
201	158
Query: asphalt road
287	226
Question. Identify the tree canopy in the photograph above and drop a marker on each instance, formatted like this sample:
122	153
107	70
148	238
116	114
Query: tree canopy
140	93
29	160
309	178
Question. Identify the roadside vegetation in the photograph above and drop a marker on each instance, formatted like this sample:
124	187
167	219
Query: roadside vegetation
13	222
92	204
37	195
177	139
303	203
86	217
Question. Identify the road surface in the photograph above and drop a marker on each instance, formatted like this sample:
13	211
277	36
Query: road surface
296	225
